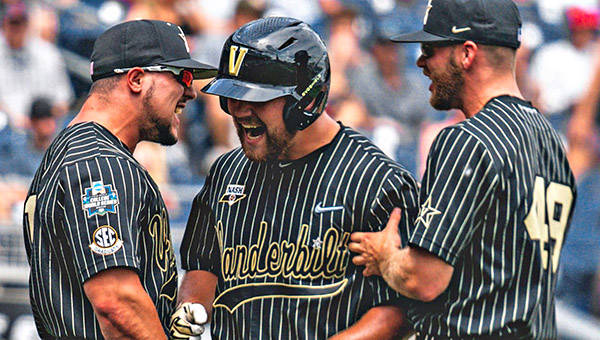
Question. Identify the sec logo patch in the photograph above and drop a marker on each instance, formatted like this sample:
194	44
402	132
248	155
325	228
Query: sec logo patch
105	241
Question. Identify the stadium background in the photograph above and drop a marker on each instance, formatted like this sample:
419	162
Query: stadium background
376	88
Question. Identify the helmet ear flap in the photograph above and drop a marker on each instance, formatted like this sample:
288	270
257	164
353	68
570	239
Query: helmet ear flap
291	114
296	117
223	103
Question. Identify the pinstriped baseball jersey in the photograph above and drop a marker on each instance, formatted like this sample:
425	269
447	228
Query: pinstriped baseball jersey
91	207
275	234
496	202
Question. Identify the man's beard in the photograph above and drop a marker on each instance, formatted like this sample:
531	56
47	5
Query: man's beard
277	143
447	87
157	129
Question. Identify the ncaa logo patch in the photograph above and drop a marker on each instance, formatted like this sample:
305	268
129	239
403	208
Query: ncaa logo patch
233	194
99	199
105	241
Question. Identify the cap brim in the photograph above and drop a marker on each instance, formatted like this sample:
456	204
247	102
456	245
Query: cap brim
199	70
419	36
250	92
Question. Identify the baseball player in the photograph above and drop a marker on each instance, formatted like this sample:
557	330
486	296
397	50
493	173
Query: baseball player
497	195
265	248
96	228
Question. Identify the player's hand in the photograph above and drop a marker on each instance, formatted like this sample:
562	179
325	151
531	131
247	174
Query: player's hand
187	321
374	248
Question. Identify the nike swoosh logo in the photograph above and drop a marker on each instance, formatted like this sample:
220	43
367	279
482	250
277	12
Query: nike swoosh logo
460	30
319	209
283	165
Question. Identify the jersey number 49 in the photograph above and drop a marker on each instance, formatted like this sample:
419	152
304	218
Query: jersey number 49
547	218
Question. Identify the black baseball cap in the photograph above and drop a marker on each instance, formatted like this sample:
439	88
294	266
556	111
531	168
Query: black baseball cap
144	43
488	22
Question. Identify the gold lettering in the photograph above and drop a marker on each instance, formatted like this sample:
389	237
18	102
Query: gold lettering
303	253
163	249
273	259
255	249
288	251
241	260
285	259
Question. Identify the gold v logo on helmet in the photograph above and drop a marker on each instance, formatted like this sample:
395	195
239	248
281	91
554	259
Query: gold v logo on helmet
236	63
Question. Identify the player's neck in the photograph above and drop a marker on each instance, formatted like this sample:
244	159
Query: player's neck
120	120
479	90
315	136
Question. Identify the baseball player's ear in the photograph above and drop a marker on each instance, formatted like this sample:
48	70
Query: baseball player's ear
468	53
134	79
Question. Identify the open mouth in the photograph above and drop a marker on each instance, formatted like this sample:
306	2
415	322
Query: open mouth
254	130
179	108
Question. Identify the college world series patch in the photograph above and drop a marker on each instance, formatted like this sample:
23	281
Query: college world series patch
105	241
99	199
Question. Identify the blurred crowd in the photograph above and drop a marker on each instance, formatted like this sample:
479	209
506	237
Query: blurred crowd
376	88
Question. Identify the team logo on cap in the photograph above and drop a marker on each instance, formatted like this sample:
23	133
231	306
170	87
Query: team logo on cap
429	7
233	194
236	63
182	36
105	241
99	199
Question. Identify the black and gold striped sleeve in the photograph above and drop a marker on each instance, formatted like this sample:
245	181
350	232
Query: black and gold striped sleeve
101	201
457	191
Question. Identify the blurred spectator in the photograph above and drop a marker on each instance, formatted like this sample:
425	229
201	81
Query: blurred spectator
309	12
584	121
551	15
209	132
29	68
388	88
79	26
24	151
429	131
561	70
580	257
152	157
187	14
392	91
20	155
45	24
344	45
207	47
405	16
344	106
578	284
531	39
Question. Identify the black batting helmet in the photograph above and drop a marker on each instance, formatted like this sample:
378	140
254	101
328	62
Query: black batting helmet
271	58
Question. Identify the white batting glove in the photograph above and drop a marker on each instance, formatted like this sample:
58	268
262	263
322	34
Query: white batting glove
187	321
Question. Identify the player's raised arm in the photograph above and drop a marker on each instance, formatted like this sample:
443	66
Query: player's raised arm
413	272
